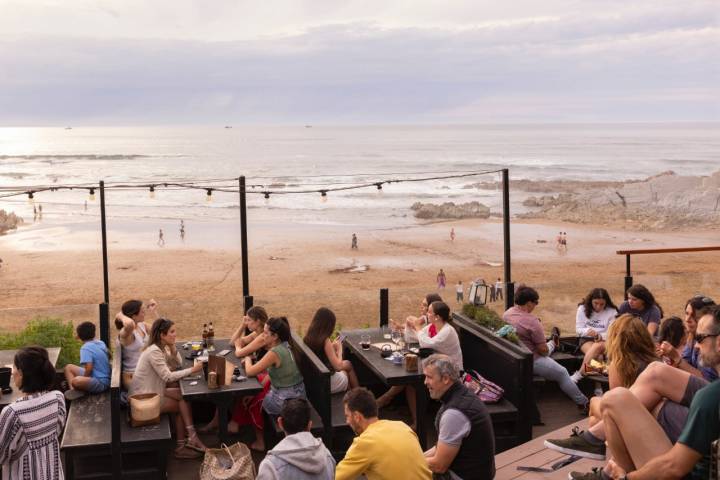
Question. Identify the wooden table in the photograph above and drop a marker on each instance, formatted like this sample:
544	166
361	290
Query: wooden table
223	397
389	373
7	358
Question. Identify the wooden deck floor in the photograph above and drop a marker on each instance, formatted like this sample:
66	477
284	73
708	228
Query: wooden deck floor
534	454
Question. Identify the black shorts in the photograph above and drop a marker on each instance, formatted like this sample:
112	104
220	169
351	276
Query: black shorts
673	416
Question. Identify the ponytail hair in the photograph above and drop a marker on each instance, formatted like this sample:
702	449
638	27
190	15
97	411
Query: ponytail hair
38	374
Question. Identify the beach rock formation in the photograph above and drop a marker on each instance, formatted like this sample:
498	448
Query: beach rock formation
450	210
8	221
662	201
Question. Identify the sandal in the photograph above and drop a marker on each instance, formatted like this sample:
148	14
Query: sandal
190	443
207	428
185	452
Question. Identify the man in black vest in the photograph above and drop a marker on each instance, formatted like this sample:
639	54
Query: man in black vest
466	443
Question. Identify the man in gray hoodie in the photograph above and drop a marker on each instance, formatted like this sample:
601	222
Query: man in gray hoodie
299	456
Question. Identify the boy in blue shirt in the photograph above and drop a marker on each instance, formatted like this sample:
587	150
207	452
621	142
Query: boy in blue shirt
93	376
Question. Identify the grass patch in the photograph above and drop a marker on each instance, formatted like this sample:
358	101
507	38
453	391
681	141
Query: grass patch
46	332
489	319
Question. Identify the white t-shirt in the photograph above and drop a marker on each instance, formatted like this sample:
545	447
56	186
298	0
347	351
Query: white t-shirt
446	341
459	288
598	321
498	286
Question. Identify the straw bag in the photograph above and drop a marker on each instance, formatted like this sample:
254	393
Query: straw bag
228	463
144	409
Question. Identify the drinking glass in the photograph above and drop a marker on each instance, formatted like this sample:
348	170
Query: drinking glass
365	342
395	336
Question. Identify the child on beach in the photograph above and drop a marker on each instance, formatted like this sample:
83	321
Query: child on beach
441	279
93	376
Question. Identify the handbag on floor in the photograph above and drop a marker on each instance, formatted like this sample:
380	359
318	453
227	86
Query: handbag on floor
228	463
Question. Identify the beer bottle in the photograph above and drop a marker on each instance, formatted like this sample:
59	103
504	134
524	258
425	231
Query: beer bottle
211	337
205	336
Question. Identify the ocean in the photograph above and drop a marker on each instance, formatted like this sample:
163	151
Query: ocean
323	157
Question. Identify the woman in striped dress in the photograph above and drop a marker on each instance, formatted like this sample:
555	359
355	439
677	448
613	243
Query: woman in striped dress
30	427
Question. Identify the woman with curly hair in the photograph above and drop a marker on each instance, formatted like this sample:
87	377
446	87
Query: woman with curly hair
641	302
594	316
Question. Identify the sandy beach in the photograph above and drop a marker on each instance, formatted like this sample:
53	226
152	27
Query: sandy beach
295	269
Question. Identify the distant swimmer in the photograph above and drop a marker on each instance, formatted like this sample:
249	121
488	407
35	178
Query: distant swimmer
161	238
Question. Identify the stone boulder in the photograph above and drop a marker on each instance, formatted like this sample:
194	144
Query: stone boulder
8	221
450	210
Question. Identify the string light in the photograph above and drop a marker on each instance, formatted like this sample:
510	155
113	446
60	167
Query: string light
267	197
31	197
379	188
91	196
152	191
209	194
323	196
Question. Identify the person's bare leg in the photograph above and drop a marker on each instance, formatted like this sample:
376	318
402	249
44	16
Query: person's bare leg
186	415
387	397
259	443
655	382
634	436
595	413
352	376
72	371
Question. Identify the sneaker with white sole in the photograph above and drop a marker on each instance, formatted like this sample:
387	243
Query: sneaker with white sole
73	394
577	376
575	444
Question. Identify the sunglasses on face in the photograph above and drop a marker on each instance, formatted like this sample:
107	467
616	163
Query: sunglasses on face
700	337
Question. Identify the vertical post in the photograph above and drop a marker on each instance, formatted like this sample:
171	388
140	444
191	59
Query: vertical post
247	302
243	238
105	306
509	285
628	275
104	323
384	307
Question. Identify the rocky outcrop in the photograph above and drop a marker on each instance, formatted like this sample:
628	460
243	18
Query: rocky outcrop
450	210
663	201
8	221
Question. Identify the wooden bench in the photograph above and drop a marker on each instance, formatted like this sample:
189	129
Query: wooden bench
509	366
98	441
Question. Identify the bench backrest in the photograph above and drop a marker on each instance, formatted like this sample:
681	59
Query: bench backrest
501	362
317	382
115	414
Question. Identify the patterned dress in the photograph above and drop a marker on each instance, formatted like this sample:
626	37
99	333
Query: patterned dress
30	431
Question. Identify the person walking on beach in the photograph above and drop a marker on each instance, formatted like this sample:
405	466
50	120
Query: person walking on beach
498	290
161	239
563	241
459	290
353	244
182	230
558	242
452	234
441	279
492	292
40	211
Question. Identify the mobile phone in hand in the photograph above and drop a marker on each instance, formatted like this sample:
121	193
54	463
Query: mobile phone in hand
341	337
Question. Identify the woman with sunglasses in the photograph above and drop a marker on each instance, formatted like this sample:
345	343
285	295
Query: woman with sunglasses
31	426
286	381
155	369
689	359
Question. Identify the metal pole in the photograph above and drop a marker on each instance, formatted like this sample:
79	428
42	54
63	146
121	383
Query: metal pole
243	239
384	307
509	285
628	275
103	229
248	302
104	310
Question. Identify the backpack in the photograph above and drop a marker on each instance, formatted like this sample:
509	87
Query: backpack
481	387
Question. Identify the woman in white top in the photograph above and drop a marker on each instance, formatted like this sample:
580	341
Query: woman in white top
130	321
411	321
594	316
155	371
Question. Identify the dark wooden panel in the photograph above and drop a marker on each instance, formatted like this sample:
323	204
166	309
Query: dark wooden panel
88	422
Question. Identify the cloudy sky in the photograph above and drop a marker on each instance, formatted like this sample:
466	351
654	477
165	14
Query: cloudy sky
358	62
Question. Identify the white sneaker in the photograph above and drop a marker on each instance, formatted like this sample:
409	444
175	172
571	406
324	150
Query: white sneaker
598	392
576	377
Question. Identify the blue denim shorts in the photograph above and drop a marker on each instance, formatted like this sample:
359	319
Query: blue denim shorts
274	400
96	386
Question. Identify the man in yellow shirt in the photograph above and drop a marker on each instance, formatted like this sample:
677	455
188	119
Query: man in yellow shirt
383	449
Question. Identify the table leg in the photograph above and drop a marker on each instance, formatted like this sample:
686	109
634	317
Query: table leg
223	422
421	403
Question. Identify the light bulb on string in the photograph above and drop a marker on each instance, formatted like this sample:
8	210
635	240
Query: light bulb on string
31	198
91	195
323	196
379	188
267	198
152	191
208	198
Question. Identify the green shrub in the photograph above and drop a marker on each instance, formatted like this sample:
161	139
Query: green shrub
46	332
487	318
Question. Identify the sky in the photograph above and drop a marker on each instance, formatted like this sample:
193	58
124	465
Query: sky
137	62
